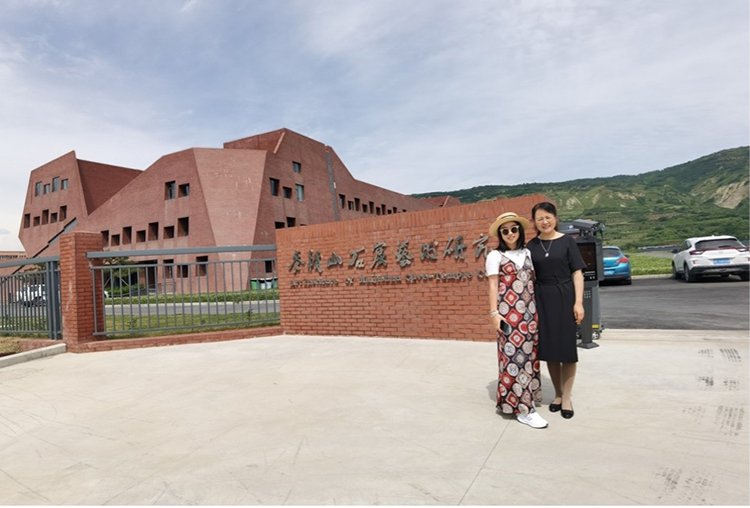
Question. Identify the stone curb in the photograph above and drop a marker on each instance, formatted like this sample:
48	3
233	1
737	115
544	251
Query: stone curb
32	355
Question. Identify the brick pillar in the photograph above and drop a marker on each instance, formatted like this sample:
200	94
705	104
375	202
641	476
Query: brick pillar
76	288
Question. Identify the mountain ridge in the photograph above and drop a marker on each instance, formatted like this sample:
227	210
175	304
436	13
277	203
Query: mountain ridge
707	195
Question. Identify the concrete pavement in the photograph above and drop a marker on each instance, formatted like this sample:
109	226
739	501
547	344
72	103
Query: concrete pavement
661	419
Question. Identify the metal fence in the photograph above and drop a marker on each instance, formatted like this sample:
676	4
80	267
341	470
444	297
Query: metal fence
30	298
149	292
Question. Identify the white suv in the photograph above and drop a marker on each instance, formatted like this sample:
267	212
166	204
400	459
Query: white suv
710	255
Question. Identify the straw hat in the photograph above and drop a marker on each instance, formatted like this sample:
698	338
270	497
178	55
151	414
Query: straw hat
507	217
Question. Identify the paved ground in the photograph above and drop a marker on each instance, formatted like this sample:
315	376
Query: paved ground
661	419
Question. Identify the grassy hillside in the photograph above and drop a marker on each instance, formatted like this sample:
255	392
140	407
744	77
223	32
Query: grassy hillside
701	197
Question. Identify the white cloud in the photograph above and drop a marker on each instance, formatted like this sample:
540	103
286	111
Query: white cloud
414	96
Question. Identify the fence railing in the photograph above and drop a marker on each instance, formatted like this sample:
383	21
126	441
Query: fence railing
30	298
150	292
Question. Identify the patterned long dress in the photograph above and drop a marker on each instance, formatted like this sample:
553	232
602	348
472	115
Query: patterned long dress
519	383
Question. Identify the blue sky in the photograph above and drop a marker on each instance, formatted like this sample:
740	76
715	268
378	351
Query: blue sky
414	96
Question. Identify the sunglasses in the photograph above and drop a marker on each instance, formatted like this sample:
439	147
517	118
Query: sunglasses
506	231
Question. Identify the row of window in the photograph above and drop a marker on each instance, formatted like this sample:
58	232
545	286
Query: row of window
172	270
146	235
45	188
182	271
47	217
290	223
369	207
355	205
172	190
276	188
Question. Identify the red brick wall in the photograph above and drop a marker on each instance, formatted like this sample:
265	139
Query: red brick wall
76	288
445	298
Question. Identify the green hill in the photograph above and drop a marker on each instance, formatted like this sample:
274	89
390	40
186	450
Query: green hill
705	196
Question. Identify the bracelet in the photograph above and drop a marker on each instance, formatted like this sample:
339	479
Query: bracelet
494	313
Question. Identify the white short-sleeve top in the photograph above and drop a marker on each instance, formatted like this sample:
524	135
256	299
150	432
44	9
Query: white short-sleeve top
495	259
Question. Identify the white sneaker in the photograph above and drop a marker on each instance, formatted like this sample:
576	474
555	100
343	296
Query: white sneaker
533	420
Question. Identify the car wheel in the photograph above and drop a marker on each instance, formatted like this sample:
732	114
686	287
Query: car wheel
628	281
675	273
688	277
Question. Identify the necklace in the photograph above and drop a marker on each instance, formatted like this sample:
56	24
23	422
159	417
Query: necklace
545	249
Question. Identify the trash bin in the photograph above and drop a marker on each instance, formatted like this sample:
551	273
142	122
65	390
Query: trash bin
268	283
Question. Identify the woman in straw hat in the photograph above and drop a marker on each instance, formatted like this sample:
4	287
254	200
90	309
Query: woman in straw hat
513	314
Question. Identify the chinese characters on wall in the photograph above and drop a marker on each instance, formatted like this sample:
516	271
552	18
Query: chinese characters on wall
380	255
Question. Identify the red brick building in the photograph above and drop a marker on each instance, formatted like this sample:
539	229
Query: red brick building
236	195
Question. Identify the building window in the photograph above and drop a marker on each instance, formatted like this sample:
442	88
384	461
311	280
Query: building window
290	222
27	220
300	192
279	225
168	268
364	208
183	226
297	167
37	188
168	231
46	188
183	271
170	189
105	237
153	231
274	186
288	192
53	217
356	204
269	266
36	220
202	266
63	212
55	183
372	207
140	236
64	184
342	200
183	190
115	240
350	205
127	235
45	216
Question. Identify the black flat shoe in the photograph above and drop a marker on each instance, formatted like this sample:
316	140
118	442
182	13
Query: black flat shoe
566	413
554	408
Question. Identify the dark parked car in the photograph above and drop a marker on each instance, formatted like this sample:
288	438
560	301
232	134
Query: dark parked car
616	265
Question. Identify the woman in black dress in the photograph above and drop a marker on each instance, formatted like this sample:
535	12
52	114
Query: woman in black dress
559	296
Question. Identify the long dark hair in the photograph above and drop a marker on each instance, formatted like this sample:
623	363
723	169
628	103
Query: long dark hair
520	244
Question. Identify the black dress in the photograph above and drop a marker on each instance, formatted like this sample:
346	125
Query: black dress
554	263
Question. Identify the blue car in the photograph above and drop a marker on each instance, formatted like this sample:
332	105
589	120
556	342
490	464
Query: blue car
616	265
